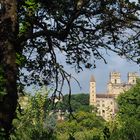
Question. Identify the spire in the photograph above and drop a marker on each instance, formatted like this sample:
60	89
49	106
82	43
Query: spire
92	79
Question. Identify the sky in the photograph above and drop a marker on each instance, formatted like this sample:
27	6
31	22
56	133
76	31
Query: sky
101	74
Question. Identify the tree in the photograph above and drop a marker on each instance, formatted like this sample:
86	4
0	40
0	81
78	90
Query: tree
78	102
85	126
129	114
8	68
129	105
32	32
35	120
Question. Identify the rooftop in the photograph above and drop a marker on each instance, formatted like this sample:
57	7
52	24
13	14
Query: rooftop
92	79
105	95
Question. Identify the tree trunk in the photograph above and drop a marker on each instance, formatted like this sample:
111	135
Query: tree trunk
8	33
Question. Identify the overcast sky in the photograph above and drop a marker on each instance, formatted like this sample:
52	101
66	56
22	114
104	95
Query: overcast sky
101	74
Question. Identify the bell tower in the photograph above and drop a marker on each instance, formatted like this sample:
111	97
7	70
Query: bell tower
92	91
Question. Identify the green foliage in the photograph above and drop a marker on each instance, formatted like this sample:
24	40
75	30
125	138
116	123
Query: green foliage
129	112
129	102
89	120
77	101
35	121
79	29
20	59
126	125
28	9
86	126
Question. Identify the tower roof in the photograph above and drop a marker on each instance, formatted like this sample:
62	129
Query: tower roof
92	79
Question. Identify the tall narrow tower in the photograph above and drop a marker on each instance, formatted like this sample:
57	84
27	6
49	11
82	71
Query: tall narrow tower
92	91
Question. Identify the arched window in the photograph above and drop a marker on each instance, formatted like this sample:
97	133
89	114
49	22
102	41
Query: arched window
115	81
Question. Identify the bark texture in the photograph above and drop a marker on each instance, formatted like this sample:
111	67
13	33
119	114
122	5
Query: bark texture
8	101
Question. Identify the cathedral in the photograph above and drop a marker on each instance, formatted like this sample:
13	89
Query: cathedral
105	103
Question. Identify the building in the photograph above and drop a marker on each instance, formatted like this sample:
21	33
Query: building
105	102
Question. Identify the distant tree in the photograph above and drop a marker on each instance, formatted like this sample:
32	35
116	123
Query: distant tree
77	102
33	32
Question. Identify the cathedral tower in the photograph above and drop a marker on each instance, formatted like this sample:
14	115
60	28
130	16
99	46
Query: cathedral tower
132	76
114	85
115	78
92	91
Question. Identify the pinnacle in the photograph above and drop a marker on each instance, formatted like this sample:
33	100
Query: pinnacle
92	79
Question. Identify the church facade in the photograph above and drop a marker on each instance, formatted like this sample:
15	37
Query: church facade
106	102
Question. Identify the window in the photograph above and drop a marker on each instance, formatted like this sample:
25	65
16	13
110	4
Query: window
98	101
115	81
103	111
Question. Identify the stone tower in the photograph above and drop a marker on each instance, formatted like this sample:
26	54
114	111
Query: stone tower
106	102
92	100
132	76
114	85
115	77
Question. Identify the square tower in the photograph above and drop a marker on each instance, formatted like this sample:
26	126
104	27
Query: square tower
115	78
114	86
132	76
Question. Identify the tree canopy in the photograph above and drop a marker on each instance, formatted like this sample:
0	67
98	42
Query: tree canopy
39	121
35	120
129	113
33	32
87	126
78	102
78	29
126	124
